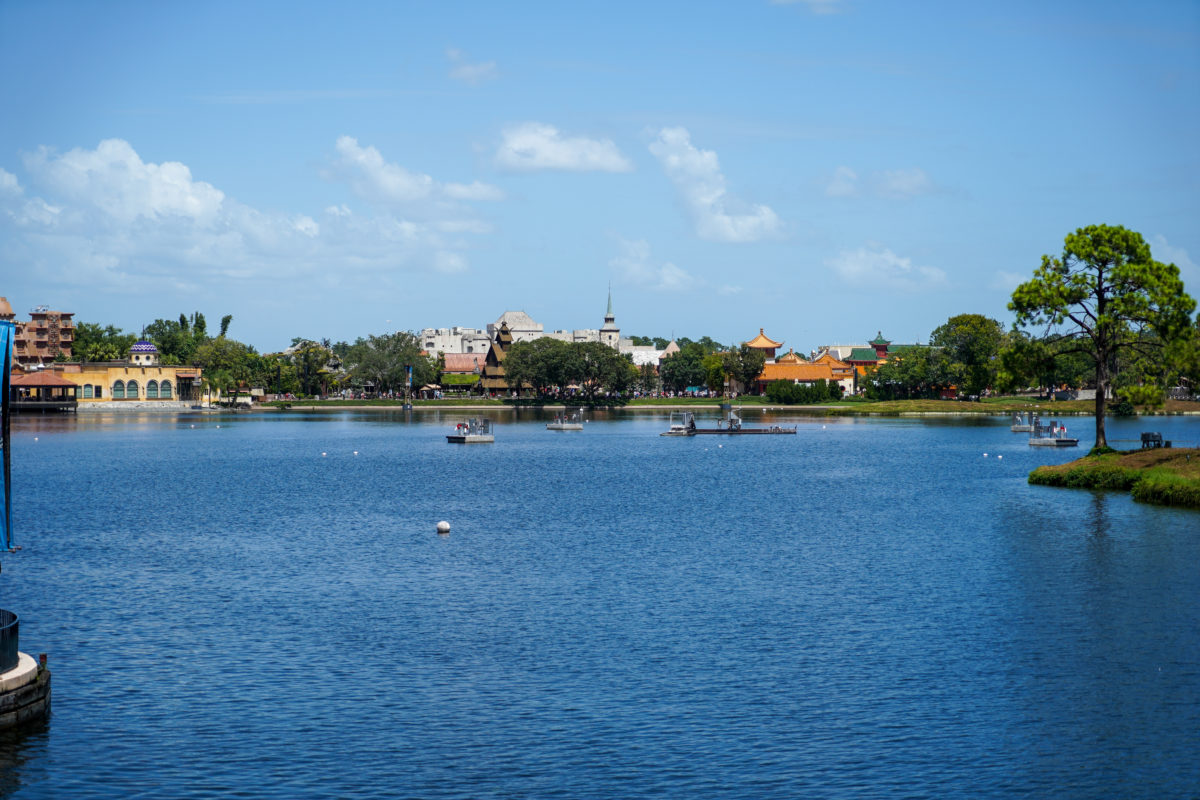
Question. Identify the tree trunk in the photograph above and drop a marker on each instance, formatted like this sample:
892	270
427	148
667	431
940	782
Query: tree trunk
1101	397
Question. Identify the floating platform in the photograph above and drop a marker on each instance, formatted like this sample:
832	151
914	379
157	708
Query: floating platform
1053	441
566	422
475	431
1052	435
684	424
774	429
1023	424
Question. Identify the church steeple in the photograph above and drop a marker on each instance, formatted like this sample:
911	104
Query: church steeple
610	334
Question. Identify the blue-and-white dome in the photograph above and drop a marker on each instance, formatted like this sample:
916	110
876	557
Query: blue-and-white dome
142	346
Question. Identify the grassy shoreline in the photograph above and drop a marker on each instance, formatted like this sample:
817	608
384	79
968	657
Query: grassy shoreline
1169	477
1001	406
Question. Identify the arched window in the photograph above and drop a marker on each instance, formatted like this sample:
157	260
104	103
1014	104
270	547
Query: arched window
131	390
87	391
152	390
119	390
164	390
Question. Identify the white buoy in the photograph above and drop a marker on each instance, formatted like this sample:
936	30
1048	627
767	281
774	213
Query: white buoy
999	456
322	455
985	455
443	527
35	438
355	452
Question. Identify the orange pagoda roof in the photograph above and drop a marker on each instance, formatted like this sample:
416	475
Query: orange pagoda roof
763	342
796	372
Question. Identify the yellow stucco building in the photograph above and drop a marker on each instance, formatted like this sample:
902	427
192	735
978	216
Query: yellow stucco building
140	377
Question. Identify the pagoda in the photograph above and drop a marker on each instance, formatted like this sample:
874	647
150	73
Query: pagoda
881	346
491	377
791	357
764	343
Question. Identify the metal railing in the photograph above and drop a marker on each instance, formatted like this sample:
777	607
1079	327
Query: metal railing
8	640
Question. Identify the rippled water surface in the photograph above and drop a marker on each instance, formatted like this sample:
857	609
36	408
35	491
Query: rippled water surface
258	606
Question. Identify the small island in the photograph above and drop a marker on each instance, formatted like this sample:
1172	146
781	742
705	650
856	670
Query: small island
1163	476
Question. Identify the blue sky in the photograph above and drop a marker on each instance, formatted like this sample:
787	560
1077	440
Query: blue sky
820	169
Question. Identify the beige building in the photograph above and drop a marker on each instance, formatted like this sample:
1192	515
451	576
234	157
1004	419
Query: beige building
41	338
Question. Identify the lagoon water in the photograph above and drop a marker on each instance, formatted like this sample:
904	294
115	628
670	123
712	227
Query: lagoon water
241	606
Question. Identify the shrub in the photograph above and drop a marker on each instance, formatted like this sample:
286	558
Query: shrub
1167	489
1124	408
1151	396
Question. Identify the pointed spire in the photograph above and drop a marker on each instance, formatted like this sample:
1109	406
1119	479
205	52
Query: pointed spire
610	322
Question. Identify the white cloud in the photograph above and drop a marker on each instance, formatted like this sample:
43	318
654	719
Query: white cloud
896	184
844	183
113	221
8	182
1163	251
383	182
537	146
697	176
634	266
474	74
1007	281
308	226
449	263
114	180
473	191
881	268
902	183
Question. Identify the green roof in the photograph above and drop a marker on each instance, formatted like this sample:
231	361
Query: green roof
879	339
862	354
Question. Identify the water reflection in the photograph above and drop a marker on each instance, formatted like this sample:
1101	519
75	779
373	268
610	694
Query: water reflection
868	603
21	748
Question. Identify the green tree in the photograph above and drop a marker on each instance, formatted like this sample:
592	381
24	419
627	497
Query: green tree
176	340
227	364
1102	293
647	381
972	344
680	370
542	364
603	369
705	343
95	342
383	360
714	372
918	372
744	365
1183	358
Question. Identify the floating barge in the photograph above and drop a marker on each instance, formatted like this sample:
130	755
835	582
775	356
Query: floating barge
473	431
1023	423
684	424
567	421
1052	435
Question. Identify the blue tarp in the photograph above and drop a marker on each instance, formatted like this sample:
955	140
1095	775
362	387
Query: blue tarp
6	344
